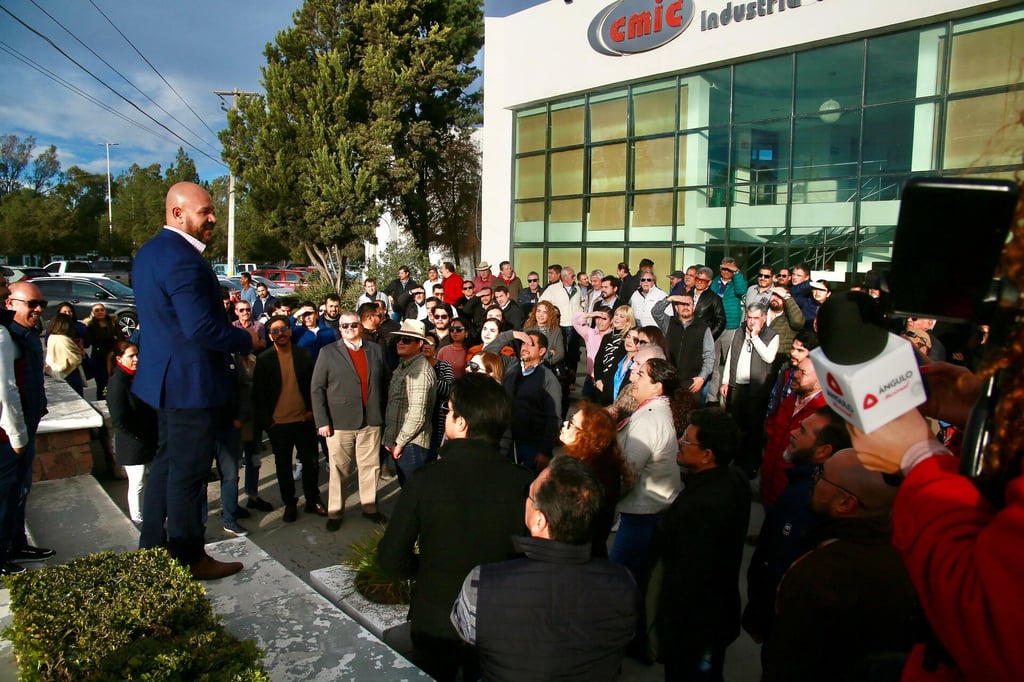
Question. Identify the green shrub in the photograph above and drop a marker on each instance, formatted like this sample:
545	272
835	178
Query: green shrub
133	616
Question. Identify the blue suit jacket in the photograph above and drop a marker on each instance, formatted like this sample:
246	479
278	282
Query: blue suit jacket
185	360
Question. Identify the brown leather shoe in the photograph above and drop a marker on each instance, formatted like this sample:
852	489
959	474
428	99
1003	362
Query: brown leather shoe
209	568
317	508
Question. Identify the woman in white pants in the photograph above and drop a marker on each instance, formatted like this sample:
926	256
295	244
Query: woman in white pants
135	424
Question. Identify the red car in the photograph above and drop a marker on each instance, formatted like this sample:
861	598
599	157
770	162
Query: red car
288	279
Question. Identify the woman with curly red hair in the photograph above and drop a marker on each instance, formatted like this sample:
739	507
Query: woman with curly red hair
590	435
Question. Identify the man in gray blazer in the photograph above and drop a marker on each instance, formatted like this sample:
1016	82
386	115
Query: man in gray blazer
349	387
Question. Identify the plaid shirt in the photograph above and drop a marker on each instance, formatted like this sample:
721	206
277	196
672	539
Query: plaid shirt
411	399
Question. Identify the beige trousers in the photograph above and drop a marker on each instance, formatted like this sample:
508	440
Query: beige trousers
362	447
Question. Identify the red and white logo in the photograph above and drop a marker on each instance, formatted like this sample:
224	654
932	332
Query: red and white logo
870	401
632	26
833	384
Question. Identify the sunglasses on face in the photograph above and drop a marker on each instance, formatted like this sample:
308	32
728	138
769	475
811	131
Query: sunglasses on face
350	325
458	329
35	302
646	279
441	317
406	339
532	280
278	331
474	367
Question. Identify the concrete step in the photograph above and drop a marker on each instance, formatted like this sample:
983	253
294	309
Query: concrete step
386	621
304	635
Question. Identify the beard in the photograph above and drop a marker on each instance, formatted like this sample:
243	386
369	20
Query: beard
798	457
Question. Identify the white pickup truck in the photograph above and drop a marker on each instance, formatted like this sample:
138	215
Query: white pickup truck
121	270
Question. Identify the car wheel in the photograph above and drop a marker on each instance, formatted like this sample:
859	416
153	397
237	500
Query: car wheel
128	323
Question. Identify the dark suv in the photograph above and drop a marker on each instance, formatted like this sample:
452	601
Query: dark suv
84	292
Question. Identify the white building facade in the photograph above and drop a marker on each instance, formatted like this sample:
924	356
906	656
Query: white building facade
773	131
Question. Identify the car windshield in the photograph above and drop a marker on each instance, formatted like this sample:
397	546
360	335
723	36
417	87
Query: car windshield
116	288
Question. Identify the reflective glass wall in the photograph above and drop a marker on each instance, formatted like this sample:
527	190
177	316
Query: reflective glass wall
796	157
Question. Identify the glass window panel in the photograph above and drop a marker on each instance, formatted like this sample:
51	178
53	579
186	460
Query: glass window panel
696	216
763	89
530	177
531	130
651	217
987	58
761	162
904	66
880	189
606	220
608	168
690	255
984	131
827	75
822	247
662	257
608	117
570	256
606	258
824	147
565	222
529	225
889	138
654	108
567	123
652	163
567	172
525	260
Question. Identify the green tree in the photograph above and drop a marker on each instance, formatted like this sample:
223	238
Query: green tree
452	194
138	205
16	158
359	97
182	170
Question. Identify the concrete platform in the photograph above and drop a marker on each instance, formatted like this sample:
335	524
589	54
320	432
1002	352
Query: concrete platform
305	636
336	583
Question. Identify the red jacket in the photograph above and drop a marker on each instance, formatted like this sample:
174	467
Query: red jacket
777	429
452	288
966	561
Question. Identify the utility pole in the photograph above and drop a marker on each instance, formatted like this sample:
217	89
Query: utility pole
110	199
234	94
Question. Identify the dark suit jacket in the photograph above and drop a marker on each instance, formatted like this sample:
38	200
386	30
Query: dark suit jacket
710	309
337	393
266	382
259	307
185	362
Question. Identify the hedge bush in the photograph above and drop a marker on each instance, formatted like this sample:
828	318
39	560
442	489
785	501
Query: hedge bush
132	616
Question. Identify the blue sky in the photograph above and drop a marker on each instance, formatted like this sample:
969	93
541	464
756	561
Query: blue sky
197	47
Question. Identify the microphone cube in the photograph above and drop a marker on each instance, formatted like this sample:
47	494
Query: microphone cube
872	393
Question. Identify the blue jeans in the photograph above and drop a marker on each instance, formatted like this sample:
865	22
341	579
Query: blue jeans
413	457
177	483
633	541
251	453
229	448
12	475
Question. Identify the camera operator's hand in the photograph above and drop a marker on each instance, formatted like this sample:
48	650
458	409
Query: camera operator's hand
883	448
952	392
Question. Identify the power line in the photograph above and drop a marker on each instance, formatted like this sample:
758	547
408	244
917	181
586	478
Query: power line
155	70
125	78
104	84
28	61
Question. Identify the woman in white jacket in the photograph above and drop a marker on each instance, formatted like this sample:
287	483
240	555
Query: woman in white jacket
648	441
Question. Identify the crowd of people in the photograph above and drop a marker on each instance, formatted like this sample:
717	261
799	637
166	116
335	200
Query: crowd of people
545	540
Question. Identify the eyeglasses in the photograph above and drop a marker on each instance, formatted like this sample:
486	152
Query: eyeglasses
468	287
442	317
685	443
646	279
819	475
761	275
571	424
33	302
458	329
474	367
350	325
533	279
243	310
703	279
406	339
277	331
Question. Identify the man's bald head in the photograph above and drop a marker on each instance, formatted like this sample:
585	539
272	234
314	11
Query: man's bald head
848	489
22	295
189	208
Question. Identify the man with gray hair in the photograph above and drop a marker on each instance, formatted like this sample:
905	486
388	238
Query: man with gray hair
689	340
747	377
847	605
707	305
595	290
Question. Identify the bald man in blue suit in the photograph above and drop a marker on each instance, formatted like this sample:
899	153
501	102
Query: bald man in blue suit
183	373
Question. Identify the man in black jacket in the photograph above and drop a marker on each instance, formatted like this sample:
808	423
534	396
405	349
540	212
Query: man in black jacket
693	596
283	408
536	403
544	603
461	510
707	305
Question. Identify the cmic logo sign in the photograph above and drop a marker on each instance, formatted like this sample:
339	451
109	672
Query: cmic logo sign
631	26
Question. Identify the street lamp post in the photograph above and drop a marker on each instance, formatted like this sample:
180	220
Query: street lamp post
110	201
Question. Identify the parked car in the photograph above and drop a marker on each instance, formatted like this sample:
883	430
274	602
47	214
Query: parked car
121	270
15	274
288	279
273	288
84	292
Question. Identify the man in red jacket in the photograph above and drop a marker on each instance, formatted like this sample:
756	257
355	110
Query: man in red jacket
452	283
